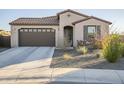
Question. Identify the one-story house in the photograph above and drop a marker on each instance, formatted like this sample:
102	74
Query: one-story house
62	30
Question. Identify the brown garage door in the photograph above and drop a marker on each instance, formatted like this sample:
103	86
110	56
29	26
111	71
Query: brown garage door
36	37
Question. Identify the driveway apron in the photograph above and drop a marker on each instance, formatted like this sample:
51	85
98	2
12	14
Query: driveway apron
26	64
39	58
11	59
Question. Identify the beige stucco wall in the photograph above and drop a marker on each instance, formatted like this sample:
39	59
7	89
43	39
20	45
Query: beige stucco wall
15	28
79	27
64	20
14	36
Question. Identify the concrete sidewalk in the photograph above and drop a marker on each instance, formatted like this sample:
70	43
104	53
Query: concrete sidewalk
68	76
84	76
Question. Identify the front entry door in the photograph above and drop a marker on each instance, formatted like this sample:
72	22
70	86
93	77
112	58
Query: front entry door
68	36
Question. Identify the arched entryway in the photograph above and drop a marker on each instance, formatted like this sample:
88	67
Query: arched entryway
68	36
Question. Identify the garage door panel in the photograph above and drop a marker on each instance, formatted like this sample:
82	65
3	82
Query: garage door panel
36	38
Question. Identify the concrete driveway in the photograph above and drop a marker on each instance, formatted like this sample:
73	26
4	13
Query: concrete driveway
26	65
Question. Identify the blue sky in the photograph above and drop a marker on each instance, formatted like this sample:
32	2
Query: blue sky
116	16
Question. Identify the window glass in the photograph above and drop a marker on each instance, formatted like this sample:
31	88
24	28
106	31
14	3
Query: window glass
48	30
91	32
44	30
52	30
39	30
26	30
34	30
21	30
30	30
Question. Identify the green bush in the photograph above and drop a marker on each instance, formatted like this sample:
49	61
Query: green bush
111	48
82	49
122	49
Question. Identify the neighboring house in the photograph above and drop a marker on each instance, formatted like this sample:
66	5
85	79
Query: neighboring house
61	30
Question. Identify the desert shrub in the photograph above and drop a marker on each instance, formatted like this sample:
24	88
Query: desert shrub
82	49
111	48
67	56
122	38
97	55
122	49
98	44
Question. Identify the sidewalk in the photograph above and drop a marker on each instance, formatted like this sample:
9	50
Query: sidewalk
91	76
47	75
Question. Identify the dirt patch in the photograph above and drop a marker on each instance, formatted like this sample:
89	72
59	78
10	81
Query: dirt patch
73	59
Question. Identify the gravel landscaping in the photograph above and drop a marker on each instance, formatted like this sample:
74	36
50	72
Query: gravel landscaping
73	59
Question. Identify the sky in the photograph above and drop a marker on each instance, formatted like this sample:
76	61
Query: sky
116	16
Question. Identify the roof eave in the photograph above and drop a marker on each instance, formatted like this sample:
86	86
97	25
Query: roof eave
101	20
35	24
91	18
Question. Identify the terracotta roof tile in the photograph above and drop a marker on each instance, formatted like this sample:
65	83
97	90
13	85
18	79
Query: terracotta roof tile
52	20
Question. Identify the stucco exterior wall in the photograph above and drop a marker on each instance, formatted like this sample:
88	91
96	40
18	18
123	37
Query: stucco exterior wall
15	28
64	20
14	36
79	29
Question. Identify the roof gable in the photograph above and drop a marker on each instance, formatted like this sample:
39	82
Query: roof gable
91	17
68	10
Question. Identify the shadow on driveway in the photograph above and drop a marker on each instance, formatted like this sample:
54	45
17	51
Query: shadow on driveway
26	55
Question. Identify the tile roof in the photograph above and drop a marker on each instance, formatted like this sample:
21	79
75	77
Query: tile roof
91	17
52	20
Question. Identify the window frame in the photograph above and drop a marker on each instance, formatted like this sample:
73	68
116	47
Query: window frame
95	33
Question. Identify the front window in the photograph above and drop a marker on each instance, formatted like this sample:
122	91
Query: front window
91	32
